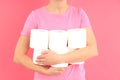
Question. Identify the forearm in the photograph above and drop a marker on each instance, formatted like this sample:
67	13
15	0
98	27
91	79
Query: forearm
84	53
21	56
26	61
80	54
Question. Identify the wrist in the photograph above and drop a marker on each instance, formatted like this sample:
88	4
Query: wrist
41	69
63	58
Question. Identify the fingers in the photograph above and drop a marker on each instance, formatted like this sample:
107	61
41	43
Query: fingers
41	57
44	52
56	71
61	69
40	61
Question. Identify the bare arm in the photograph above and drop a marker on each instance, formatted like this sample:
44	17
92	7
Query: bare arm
77	55
21	58
85	53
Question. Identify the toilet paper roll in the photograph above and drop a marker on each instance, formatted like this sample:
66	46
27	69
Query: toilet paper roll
60	65
57	39
58	43
61	51
76	39
36	53
39	39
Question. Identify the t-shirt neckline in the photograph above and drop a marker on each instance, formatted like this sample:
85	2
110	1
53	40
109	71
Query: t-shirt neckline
62	14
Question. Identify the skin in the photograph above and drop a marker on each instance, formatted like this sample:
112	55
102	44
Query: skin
50	57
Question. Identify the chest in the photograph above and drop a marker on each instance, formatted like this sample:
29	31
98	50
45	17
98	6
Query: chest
58	22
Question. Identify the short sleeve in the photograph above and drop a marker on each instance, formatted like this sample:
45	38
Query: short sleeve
29	24
84	19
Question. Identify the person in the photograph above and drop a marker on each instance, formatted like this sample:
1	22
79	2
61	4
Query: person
57	14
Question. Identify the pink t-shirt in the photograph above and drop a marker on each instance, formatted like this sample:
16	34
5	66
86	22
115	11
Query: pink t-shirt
72	18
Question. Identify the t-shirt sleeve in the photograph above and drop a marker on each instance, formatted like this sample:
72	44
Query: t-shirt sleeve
84	19
30	23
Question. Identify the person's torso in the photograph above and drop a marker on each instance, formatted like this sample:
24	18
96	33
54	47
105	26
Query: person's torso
68	20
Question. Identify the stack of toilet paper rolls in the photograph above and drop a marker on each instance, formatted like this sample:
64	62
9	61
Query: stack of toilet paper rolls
76	40
60	41
39	42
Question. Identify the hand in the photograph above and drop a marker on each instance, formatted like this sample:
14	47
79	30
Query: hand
49	58
54	71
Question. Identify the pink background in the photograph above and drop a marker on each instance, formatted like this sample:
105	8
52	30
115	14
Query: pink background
105	19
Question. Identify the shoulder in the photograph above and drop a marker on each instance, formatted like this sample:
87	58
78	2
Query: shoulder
78	10
37	11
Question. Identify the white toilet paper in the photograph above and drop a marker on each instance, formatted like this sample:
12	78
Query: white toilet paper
76	39
57	39
38	41
58	43
36	53
61	51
